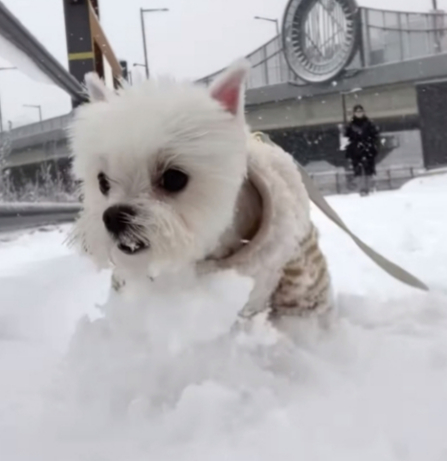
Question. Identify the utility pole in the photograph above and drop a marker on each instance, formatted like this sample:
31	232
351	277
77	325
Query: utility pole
35	106
143	32
435	26
278	33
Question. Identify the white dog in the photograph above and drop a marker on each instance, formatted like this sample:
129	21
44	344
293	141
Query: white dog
171	178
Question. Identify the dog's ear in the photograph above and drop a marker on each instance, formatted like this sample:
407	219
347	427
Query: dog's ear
96	88
228	89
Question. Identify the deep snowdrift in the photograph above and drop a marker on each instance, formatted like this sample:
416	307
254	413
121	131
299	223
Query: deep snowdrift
172	381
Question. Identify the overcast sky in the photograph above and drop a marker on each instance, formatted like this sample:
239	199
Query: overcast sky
194	38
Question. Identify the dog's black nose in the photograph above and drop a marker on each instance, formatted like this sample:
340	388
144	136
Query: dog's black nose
117	218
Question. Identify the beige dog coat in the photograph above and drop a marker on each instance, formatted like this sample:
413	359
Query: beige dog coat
283	257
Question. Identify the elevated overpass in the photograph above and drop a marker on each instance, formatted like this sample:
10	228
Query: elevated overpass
396	55
24	149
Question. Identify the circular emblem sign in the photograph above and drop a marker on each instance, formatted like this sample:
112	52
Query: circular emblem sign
320	37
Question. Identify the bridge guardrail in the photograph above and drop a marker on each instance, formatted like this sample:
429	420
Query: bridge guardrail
46	126
387	37
15	216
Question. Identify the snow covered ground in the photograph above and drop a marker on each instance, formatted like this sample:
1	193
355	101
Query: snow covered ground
168	383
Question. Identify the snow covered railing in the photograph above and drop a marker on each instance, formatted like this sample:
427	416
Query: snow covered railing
24	51
17	209
14	216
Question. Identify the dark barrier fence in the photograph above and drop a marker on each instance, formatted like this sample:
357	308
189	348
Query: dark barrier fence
342	182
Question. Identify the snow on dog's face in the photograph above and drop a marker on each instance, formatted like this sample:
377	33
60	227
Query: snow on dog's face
161	165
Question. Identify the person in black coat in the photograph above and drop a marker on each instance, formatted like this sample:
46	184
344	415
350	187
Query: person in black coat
362	149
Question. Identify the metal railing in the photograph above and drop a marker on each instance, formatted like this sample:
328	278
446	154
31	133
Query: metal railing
395	36
387	37
46	126
15	216
268	66
342	181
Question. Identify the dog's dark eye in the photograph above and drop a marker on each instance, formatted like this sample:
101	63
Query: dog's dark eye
104	184
174	180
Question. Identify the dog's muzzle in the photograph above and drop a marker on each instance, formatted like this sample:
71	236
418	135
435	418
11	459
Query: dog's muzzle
118	221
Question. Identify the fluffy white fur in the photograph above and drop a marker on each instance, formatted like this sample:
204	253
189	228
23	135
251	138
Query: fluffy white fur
132	137
245	206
